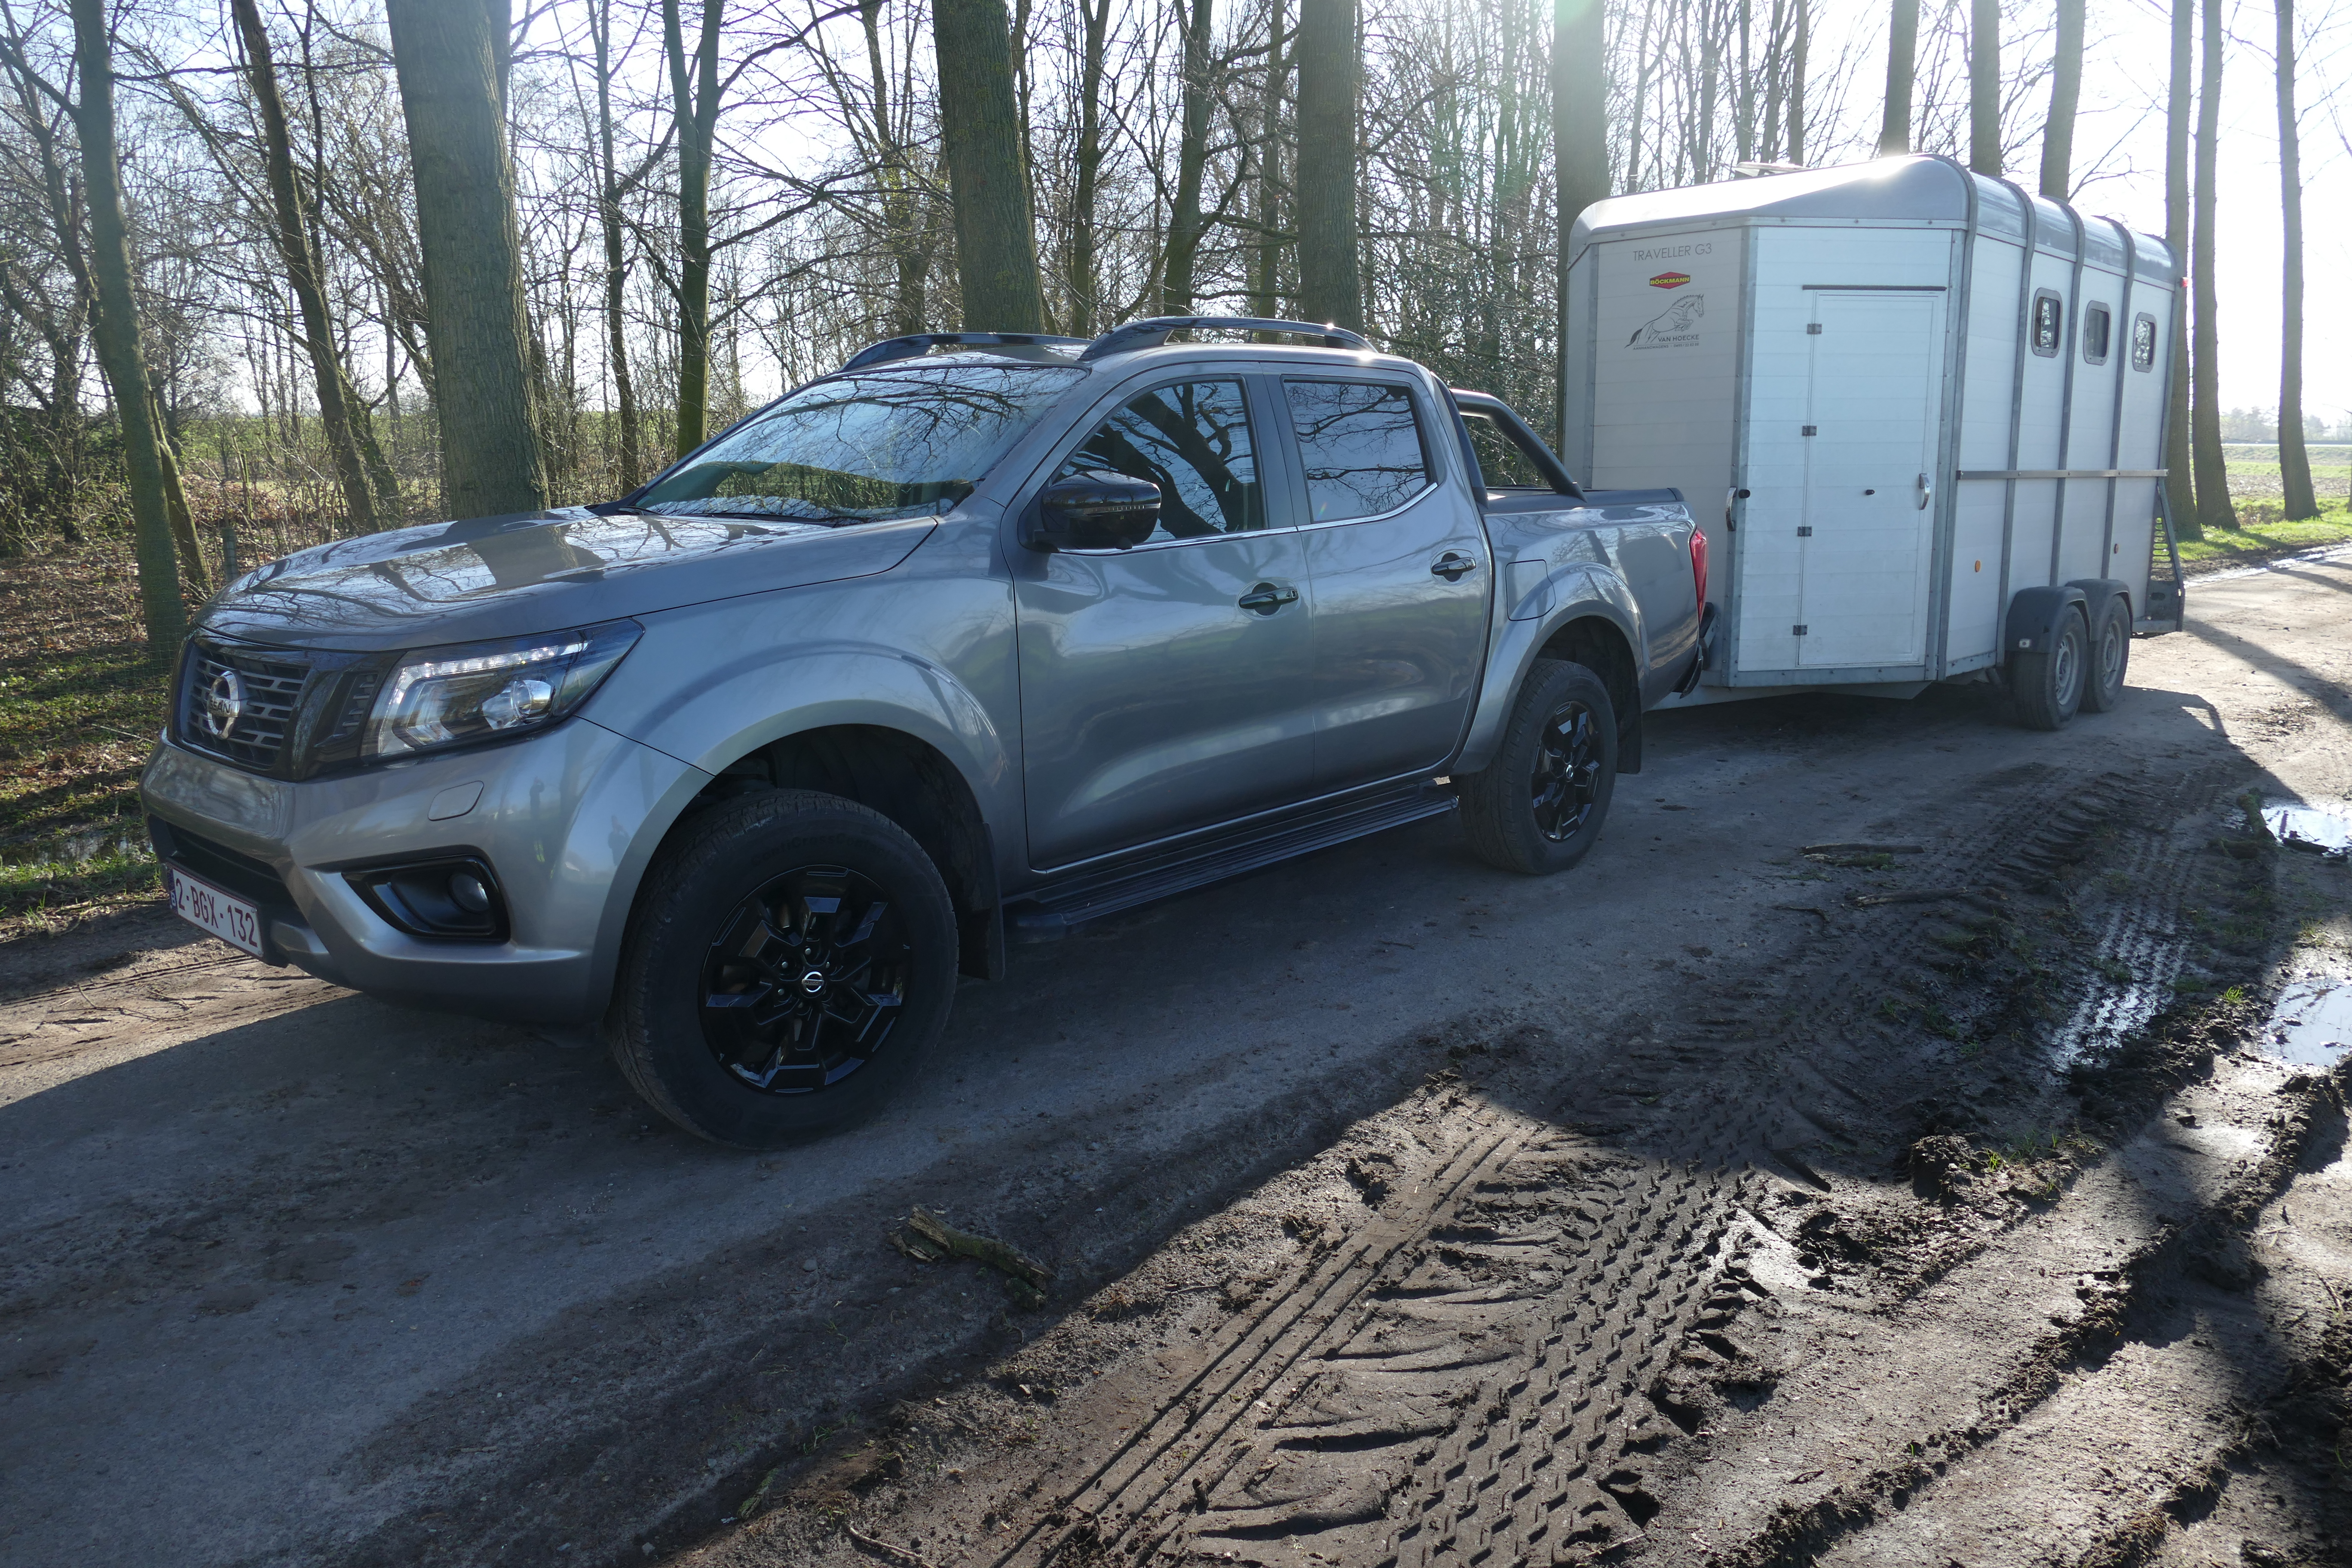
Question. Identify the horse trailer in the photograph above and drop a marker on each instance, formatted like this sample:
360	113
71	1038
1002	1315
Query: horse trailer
1933	402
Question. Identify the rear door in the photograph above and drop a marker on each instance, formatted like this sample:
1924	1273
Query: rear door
1866	527
1397	560
1166	688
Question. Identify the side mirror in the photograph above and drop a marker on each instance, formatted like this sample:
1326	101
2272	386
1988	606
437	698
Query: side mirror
1092	511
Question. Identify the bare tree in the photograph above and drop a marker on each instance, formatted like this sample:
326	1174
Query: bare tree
996	240
2213	507
693	97
1984	87
451	57
2294	462
1330	85
2065	92
1580	131
1184	215
616	262
1902	66
2180	490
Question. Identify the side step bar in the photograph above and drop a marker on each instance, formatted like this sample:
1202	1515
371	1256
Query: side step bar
1049	913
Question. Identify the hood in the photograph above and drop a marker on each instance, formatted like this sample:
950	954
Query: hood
536	572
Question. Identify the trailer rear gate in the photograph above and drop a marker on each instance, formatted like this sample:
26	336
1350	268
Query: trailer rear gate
1907	422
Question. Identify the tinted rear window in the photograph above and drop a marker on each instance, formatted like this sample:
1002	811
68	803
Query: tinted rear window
1361	445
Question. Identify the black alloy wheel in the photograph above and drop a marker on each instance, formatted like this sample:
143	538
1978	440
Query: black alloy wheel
1566	781
1538	804
790	961
805	981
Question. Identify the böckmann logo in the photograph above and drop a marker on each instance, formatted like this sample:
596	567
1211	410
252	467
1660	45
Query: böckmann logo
1670	280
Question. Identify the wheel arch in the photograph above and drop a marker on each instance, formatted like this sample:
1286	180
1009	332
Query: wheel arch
1591	629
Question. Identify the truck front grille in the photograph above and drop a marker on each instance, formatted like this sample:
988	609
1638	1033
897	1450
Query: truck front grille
239	704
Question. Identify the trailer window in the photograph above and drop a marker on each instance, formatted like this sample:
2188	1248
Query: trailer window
1361	447
2143	343
2047	323
2094	334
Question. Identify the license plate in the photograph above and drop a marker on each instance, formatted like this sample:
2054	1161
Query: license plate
226	916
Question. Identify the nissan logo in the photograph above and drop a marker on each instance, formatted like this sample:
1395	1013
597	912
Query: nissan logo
224	703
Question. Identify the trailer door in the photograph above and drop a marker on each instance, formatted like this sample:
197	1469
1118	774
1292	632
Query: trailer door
1865	538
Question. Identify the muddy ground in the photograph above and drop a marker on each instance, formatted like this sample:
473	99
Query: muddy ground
1974	1193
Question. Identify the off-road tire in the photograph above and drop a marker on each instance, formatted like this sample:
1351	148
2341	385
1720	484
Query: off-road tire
2110	658
2045	688
1500	803
720	859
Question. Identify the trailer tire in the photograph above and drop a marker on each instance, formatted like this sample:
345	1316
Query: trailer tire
1539	806
2110	658
2046	689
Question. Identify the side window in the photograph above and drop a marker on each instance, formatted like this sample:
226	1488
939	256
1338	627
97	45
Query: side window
1503	462
2143	343
1361	445
2047	326
1192	440
2094	334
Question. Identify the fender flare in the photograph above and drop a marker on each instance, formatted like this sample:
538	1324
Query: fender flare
1585	592
2035	616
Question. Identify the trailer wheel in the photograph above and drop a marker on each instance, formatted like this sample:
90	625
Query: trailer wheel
2047	688
1537	807
2110	657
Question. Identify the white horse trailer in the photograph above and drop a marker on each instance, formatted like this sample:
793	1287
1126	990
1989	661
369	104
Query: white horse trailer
1933	404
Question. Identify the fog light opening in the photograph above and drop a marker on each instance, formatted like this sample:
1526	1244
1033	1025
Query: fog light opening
465	890
443	898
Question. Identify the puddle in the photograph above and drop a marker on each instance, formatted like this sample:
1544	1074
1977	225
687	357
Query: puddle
2302	827
2312	1025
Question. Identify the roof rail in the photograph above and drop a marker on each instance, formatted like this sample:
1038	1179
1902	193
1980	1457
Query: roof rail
1154	331
916	344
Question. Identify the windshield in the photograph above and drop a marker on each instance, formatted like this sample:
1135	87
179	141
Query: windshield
859	448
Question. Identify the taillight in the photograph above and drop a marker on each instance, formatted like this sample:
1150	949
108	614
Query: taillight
1698	567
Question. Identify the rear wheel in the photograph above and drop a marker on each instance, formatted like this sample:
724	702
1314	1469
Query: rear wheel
790	961
1537	807
2046	687
2102	687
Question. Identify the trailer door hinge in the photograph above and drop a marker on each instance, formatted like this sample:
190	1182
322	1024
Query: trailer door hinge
1805	533
1812	329
1809	430
1797	631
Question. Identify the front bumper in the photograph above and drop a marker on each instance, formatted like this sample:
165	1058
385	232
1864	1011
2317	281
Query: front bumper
568	819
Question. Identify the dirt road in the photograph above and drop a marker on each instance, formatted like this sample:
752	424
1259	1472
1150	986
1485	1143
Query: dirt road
1949	1197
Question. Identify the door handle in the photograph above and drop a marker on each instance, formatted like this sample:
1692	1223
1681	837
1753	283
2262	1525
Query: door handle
1266	598
1926	492
1451	567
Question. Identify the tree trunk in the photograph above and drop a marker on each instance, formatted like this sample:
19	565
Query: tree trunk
1796	83
1580	144
1331	82
2180	491
1984	86
616	265
1191	158
1902	65
447	53
2065	91
694	98
1744	128
296	251
996	239
2213	507
2294	462
898	202
1084	285
119	352
1265	257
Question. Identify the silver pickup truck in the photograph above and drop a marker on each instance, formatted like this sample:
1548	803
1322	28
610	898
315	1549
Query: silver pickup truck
979	638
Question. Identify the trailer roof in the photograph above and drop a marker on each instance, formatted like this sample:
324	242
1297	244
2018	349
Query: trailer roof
1916	189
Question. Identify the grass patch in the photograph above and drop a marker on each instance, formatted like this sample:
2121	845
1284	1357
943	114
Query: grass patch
2266	534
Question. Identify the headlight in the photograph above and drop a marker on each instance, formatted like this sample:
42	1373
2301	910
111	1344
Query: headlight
478	691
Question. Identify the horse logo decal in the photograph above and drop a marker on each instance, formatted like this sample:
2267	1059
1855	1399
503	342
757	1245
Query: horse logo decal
1670	328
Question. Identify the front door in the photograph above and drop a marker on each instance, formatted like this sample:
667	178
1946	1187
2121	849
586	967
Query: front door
1866	531
1165	688
1400	568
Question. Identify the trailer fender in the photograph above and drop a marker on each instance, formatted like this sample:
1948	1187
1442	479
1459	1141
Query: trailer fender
2096	592
2035	615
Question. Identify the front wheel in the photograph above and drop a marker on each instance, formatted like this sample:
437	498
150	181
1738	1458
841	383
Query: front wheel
791	959
2046	689
1537	807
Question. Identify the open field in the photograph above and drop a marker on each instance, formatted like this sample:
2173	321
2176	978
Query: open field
1979	1196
